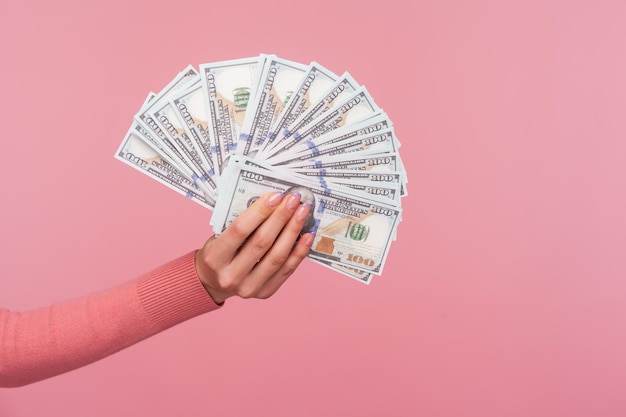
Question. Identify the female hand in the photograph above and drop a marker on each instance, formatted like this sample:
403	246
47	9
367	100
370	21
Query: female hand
254	256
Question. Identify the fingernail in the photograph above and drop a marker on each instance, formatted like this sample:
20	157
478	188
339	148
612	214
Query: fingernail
303	211
309	239
294	200
275	199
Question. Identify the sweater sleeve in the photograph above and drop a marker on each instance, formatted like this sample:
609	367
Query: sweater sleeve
41	343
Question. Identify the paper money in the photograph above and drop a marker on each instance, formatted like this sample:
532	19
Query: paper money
173	126
227	87
349	231
358	274
378	162
276	84
160	137
236	129
354	108
316	81
134	151
191	109
343	87
371	135
384	192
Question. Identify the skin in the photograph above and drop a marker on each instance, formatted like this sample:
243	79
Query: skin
256	254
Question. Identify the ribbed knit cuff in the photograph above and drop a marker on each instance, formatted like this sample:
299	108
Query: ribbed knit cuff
173	293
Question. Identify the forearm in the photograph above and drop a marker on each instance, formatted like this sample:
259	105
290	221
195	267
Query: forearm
42	343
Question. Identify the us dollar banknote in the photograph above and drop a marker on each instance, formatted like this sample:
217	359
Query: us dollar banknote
378	162
228	87
350	231
372	135
316	81
353	109
344	87
137	153
355	273
191	109
172	125
276	84
231	131
160	137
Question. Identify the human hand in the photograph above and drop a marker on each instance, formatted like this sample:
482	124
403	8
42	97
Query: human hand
254	256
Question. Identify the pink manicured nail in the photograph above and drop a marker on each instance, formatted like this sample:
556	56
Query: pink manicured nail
309	239
294	200
303	211
275	199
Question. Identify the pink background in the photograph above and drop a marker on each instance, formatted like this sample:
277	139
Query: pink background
504	294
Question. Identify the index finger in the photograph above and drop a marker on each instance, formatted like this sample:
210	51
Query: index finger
229	242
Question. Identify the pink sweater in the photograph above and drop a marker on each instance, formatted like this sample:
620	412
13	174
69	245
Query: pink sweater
42	343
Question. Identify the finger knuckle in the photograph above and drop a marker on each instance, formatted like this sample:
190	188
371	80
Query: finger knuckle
284	215
246	292
227	283
278	260
287	271
262	243
236	229
264	295
210	262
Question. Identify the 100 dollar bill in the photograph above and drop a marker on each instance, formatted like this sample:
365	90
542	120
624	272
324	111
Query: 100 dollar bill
137	153
350	230
191	108
344	87
228	88
355	108
373	135
316	81
276	84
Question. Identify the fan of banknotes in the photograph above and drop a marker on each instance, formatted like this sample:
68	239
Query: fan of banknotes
233	130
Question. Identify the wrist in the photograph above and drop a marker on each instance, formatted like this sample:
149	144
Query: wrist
216	295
